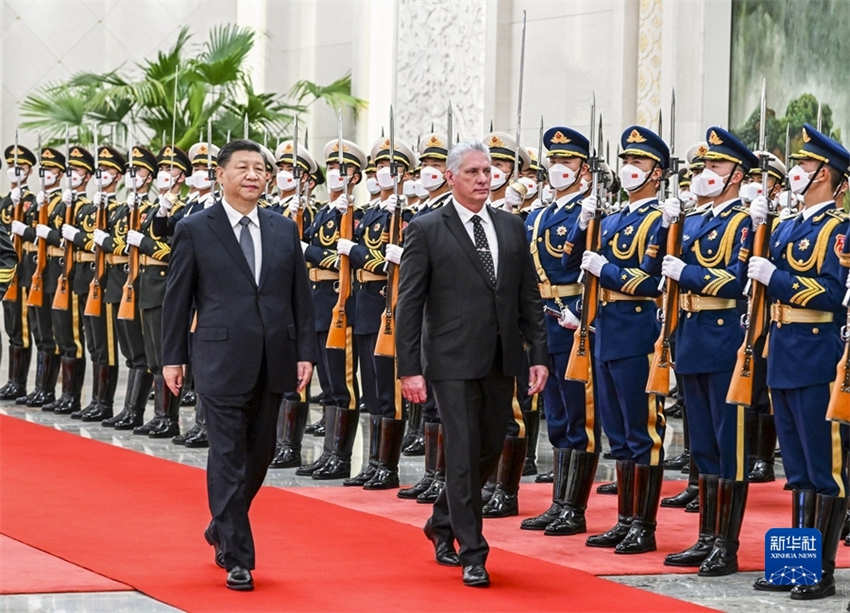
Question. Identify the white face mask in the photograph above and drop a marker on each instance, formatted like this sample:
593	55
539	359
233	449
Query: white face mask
14	177
334	180
561	176
164	180
431	177
799	179
106	178
50	177
385	179
76	178
372	186
420	189
585	185
200	179
697	185
530	187
497	178
749	191
409	189
548	195
285	180
129	180
712	182
632	177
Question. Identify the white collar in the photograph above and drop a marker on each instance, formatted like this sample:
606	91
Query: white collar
566	199
634	206
234	216
465	214
719	208
811	211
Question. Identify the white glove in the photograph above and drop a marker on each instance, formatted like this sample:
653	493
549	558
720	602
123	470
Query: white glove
568	320
100	236
304	246
40	198
130	201
672	267
293	207
687	198
69	232
588	210
98	196
42	230
847	283
134	238
513	197
760	269
670	211
758	210
15	195
393	253
390	203
341	203
343	246
67	196
18	227
593	262
164	207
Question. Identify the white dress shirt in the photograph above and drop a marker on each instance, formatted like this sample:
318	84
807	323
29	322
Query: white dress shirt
234	217
808	212
634	206
716	209
487	223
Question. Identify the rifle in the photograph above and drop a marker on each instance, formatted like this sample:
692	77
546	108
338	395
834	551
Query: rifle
578	366
36	295
296	174
94	303
385	344
337	333
754	321
662	360
12	291
839	399
127	306
61	298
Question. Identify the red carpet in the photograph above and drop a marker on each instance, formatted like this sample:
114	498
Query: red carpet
768	506
26	570
138	520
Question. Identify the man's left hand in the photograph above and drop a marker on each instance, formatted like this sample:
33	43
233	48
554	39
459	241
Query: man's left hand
537	376
305	373
413	388
173	376
593	262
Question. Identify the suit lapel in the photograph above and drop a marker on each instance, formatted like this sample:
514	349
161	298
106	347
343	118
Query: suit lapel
266	238
452	220
221	226
501	239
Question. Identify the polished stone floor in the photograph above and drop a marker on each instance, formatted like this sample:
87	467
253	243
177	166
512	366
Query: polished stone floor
726	593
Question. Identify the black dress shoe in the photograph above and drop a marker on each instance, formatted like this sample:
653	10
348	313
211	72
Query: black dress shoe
545	477
607	488
475	575
692	506
444	549
763	585
239	578
198	440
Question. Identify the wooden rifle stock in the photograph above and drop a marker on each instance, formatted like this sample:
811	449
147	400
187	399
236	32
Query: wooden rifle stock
839	399
299	222
339	320
662	360
62	297
385	344
578	366
755	324
94	303
36	295
127	307
12	291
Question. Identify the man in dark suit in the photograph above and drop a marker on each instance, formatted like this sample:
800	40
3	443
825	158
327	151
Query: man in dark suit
468	305
242	269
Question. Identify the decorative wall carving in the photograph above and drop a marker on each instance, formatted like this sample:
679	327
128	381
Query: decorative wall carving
649	63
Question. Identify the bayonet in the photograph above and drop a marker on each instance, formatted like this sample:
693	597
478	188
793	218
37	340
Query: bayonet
519	98
174	124
819	125
15	161
210	171
41	169
393	165
296	170
340	157
246	128
540	173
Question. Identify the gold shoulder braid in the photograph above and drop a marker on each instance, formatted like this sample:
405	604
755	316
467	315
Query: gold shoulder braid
639	241
818	253
724	252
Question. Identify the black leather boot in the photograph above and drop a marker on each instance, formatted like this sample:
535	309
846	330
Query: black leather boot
505	499
328	416
389	451
437	486
180	439
607	489
732	501
708	499
137	399
762	471
576	494
647	492
368	471
829	518
198	439
338	465
95	391
319	428
159	421
106	394
170	425
678	462
802	516
431	432
293	419
532	431
625	507
488	488
188	398
41	358
66	369
50	378
561	469
71	404
548	477
688	494
414	439
122	415
19	366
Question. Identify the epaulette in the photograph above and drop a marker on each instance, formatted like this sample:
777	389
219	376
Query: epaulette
741	209
694	212
838	214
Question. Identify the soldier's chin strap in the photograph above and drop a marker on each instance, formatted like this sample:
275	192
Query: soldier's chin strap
812	179
729	178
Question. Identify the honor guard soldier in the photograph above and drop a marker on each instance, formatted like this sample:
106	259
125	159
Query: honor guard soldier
340	413
267	200
372	183
369	251
805	285
503	152
285	180
570	413
67	323
707	337
20	162
433	180
8	260
626	328
154	251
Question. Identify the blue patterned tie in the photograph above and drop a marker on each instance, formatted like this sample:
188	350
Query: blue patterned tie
246	243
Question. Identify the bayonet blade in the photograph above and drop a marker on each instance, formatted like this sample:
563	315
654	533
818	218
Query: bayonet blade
819	125
245	127
763	115
519	96
672	123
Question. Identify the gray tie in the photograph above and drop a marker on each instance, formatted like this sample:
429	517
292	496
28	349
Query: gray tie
246	243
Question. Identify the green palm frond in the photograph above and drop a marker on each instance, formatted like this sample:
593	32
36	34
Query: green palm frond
165	65
337	95
221	60
50	113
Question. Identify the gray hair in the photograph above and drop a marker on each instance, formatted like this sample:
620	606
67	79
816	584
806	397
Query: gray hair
459	151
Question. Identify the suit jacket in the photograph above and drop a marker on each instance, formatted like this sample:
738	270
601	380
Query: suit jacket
240	323
450	318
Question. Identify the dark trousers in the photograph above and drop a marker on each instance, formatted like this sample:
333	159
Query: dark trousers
68	327
100	331
474	415
152	335
570	409
339	364
321	367
130	339
42	325
429	409
15	320
241	432
365	345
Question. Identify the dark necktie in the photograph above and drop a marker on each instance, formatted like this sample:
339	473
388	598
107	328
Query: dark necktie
246	243
483	249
